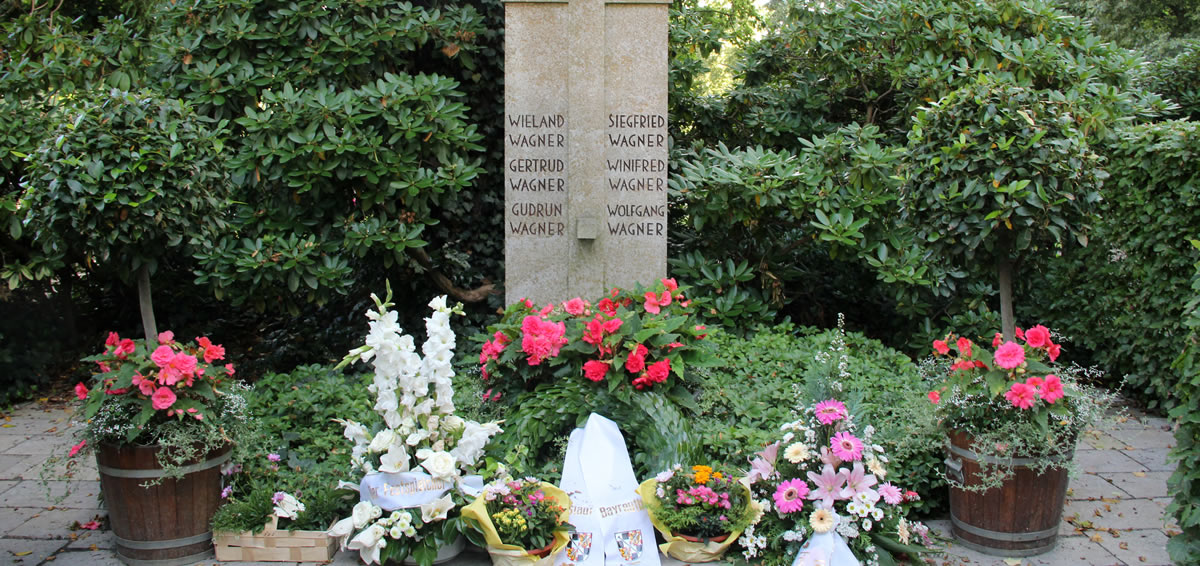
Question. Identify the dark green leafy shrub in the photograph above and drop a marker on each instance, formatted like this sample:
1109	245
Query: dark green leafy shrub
1184	482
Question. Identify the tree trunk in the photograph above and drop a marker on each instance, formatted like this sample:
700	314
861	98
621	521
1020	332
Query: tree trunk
146	306
1004	269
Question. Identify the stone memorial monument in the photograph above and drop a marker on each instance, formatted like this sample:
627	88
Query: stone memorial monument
585	151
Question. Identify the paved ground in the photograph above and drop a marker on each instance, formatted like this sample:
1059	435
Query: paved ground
1114	513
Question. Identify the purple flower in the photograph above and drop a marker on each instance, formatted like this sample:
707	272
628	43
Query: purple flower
279	495
273	457
225	493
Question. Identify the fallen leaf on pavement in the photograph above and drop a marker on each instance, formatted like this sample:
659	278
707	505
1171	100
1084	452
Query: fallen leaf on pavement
1097	538
1140	474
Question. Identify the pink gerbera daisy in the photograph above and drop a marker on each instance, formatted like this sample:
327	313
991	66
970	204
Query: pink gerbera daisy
846	446
789	496
891	494
830	411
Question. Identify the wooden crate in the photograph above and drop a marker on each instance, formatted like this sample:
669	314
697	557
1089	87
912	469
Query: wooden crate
275	545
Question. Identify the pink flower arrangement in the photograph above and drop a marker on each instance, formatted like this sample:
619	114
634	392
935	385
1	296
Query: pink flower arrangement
1016	385
642	337
167	380
701	501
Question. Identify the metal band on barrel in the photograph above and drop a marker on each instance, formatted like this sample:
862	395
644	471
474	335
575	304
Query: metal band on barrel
158	473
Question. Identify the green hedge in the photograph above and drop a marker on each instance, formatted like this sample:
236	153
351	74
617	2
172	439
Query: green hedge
1121	299
1185	481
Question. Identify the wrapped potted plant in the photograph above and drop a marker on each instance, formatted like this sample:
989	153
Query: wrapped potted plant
824	495
162	419
523	521
415	466
278	511
700	511
1012	416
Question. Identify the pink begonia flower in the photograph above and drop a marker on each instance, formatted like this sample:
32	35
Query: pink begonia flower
830	411
656	373
546	310
934	397
163	398
1037	337
997	339
858	481
124	348
670	284
1035	382
575	306
162	356
964	347
229	369
91	525
674	345
541	339
1021	395
652	305
1053	351
113	339
146	386
1009	355
941	347
636	362
81	391
595	370
891	494
75	449
789	496
1020	333
607	306
963	365
1051	389
212	352
166	337
846	446
828	485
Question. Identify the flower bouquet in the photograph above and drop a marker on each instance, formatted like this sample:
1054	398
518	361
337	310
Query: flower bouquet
410	507
824	483
1013	402
699	511
523	521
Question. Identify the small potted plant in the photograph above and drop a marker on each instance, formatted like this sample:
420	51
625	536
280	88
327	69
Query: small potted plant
264	491
1012	416
162	418
523	521
700	511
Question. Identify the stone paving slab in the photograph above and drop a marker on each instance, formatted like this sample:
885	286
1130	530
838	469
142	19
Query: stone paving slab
1139	484
28	552
1107	461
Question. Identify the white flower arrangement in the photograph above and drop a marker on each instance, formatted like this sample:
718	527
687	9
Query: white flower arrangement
422	445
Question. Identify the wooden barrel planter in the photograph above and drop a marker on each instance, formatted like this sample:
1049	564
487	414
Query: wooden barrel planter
1019	518
166	524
